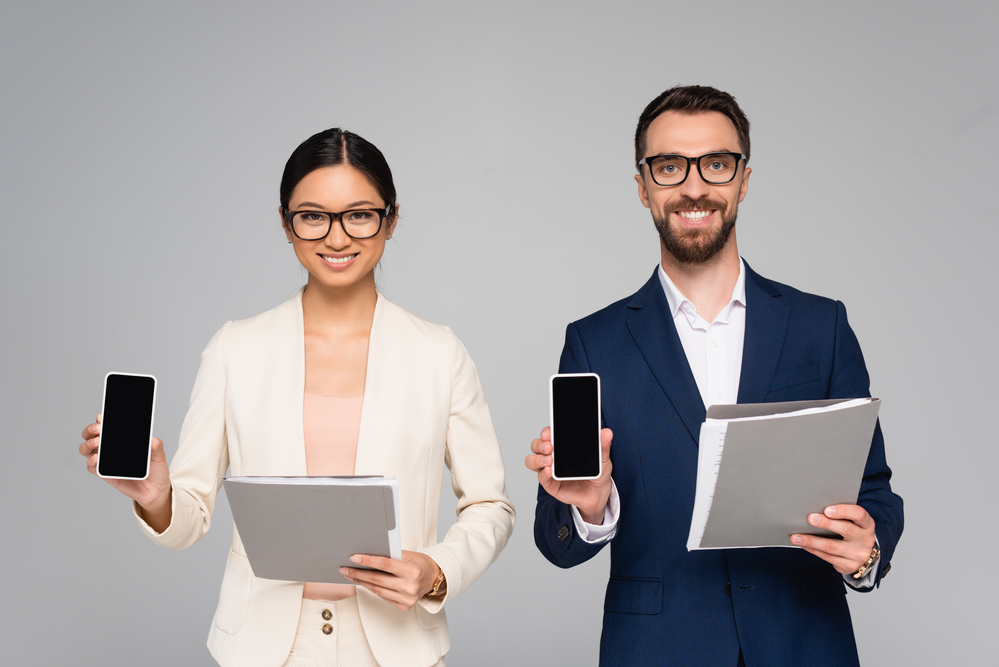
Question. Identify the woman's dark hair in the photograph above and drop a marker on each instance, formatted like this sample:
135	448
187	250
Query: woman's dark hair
333	147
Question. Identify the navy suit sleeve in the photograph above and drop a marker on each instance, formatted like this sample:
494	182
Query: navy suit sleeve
850	380
554	530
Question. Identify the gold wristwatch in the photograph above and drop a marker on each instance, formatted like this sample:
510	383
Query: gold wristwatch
875	555
440	588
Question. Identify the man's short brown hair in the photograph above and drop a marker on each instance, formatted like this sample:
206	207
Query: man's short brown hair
691	100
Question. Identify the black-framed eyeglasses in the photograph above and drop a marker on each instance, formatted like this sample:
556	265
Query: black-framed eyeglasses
714	168
357	223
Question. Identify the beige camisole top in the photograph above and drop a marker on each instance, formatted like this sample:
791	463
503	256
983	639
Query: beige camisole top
331	428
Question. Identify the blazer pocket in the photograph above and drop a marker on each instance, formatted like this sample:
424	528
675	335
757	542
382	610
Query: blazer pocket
235	595
429	621
629	595
791	377
819	584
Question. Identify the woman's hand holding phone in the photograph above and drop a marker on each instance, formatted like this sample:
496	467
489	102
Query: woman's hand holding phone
153	494
590	496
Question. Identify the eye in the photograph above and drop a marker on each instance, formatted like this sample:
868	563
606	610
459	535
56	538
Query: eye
360	216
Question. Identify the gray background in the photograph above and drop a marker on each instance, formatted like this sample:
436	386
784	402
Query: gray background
141	147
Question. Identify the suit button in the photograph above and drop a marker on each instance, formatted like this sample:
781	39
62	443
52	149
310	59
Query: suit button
728	588
885	570
327	628
563	533
327	615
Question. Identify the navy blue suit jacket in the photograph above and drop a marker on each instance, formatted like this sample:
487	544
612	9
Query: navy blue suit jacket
665	605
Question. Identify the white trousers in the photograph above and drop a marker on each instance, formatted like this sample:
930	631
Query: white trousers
330	635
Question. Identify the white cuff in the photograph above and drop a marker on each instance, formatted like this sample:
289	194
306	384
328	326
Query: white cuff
867	581
605	532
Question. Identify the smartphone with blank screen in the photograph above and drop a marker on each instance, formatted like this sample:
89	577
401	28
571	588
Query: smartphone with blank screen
126	426
575	426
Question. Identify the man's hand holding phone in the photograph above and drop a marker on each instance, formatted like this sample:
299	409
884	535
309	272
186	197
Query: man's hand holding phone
590	496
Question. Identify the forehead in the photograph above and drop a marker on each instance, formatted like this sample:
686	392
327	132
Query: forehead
691	134
339	185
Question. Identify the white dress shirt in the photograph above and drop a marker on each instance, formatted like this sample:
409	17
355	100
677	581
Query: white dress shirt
714	353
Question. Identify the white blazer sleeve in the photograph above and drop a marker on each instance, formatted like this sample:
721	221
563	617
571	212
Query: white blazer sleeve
472	454
202	457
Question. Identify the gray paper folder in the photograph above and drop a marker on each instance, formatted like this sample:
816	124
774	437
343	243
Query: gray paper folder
306	528
763	468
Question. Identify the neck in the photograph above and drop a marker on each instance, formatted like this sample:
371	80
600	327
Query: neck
708	286
328	309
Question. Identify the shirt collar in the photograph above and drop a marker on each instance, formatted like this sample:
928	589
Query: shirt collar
676	299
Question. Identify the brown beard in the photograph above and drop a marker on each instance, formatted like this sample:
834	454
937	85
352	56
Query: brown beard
694	246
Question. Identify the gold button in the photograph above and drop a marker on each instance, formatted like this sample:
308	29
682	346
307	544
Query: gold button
327	628
327	615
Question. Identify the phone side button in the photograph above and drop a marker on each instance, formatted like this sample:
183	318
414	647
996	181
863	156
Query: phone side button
563	533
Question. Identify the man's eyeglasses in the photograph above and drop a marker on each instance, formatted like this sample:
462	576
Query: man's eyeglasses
714	168
358	223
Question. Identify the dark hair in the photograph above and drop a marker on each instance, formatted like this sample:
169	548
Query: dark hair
332	147
691	100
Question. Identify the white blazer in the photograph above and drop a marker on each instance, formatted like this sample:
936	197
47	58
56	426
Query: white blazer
423	408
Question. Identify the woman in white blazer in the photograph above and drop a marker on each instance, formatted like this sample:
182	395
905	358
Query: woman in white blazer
422	408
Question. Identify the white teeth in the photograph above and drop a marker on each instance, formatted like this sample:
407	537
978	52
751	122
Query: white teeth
694	215
338	260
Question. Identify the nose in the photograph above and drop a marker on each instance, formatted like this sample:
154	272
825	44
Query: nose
694	186
337	239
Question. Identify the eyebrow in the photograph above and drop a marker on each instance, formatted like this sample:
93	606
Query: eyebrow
349	206
719	150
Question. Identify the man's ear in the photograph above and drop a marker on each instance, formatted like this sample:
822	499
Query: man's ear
643	194
745	183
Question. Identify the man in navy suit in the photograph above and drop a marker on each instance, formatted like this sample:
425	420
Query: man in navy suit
707	329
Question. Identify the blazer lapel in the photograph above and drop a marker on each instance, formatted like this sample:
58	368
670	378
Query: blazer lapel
655	334
368	459
766	324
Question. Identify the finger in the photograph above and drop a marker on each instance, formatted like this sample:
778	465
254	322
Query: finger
92	431
606	436
841	565
377	563
849	551
99	417
537	462
539	446
88	447
854	513
546	434
847	529
92	464
392	597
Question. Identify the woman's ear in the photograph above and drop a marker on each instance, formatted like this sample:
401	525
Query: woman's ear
393	219
285	225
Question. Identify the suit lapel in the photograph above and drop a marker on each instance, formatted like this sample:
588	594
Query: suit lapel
655	334
766	324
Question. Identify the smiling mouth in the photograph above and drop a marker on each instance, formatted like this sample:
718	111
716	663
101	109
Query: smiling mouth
338	260
699	214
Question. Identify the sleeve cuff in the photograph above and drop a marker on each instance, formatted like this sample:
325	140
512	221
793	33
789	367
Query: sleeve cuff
867	581
605	532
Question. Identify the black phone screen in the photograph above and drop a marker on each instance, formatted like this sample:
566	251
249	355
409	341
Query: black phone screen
576	426
126	427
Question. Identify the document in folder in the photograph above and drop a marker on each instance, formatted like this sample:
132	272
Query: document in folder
763	468
307	528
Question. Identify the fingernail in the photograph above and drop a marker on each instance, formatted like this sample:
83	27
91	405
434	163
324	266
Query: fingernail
814	519
830	511
343	571
356	559
796	539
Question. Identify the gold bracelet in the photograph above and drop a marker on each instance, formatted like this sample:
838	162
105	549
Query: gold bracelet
440	587
875	554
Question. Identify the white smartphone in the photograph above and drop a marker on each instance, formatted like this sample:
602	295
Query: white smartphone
126	438
575	426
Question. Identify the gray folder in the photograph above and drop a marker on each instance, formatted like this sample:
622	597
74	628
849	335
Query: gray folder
773	472
306	528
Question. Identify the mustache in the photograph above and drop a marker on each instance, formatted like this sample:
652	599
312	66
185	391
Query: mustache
687	204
